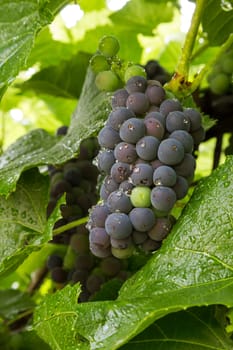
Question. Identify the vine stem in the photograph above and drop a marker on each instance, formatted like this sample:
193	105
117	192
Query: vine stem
70	225
184	61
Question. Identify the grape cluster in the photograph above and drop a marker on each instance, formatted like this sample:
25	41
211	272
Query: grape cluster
147	160
220	78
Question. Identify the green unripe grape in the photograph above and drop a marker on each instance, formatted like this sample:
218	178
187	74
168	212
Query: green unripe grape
220	84
99	63
69	258
140	197
227	65
133	70
123	253
106	81
109	45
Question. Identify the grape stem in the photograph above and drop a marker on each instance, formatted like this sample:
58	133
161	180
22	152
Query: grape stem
70	225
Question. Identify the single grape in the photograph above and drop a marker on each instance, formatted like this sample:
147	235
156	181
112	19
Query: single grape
119	98
84	261
72	173
139	237
118	225
109	45
194	117
110	266
98	214
100	251
155	93
156	115
122	243
170	105
120	172
105	160
136	83
126	186
99	63
171	151
108	137
118	201
142	174
132	130
147	148
142	219
58	275
164	176
161	228
150	245
198	136
185	138
94	282
98	236
154	127
106	81
125	152
59	188
138	102
140	197
109	185
181	187
187	167
134	70
79	276
118	116
177	120
123	253
53	261
163	198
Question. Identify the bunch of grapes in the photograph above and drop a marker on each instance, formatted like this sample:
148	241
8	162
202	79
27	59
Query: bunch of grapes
220	79
147	159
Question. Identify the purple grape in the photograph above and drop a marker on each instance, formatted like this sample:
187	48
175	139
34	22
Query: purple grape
119	98
59	275
98	236
118	116
120	171
170	105
161	228
155	93
150	245
126	186
187	167
105	160
164	176
118	225
100	251
142	219
156	164
138	103
108	137
181	187
154	127
108	186
98	215
132	130
118	201
139	237
125	152
156	115
177	120
136	83
194	117
122	243
142	174
163	198
171	151
198	136
147	148
185	138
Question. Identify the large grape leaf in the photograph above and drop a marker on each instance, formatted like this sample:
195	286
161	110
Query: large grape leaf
38	147
23	222
217	22
19	23
195	328
193	267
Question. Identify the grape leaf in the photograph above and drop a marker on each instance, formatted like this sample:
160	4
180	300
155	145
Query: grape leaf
23	222
13	301
38	147
216	17
193	267
196	329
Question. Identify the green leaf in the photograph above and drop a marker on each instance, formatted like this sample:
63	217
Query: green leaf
196	329
13	302
217	22
193	267
38	147
23	223
92	5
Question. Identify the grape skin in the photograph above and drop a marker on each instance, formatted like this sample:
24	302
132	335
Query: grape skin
163	198
187	167
132	130
122	243
98	215
156	115
142	219
136	83
161	228
98	236
140	196
154	127
125	152
170	105
119	98
100	251
164	176
120	171
155	93
118	225
106	80
109	45
138	103
109	185
118	201
194	117
171	151
118	116
147	147
105	160
177	120
108	137
126	186
142	174
123	253
185	138
181	187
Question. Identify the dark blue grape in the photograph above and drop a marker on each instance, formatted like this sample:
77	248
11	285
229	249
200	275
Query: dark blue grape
150	245
98	214
126	186
155	93
142	174
122	243
164	176
142	219
125	152
59	275
53	261
163	198
156	115
194	117
118	225
132	130
98	236
139	237
118	201
181	187
187	167
120	171
100	251
79	276
108	186
105	160
138	103
177	120
147	148
136	83
198	136
171	151
154	128
118	116
119	98
161	228
156	164
170	105
108	137
185	138
60	187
